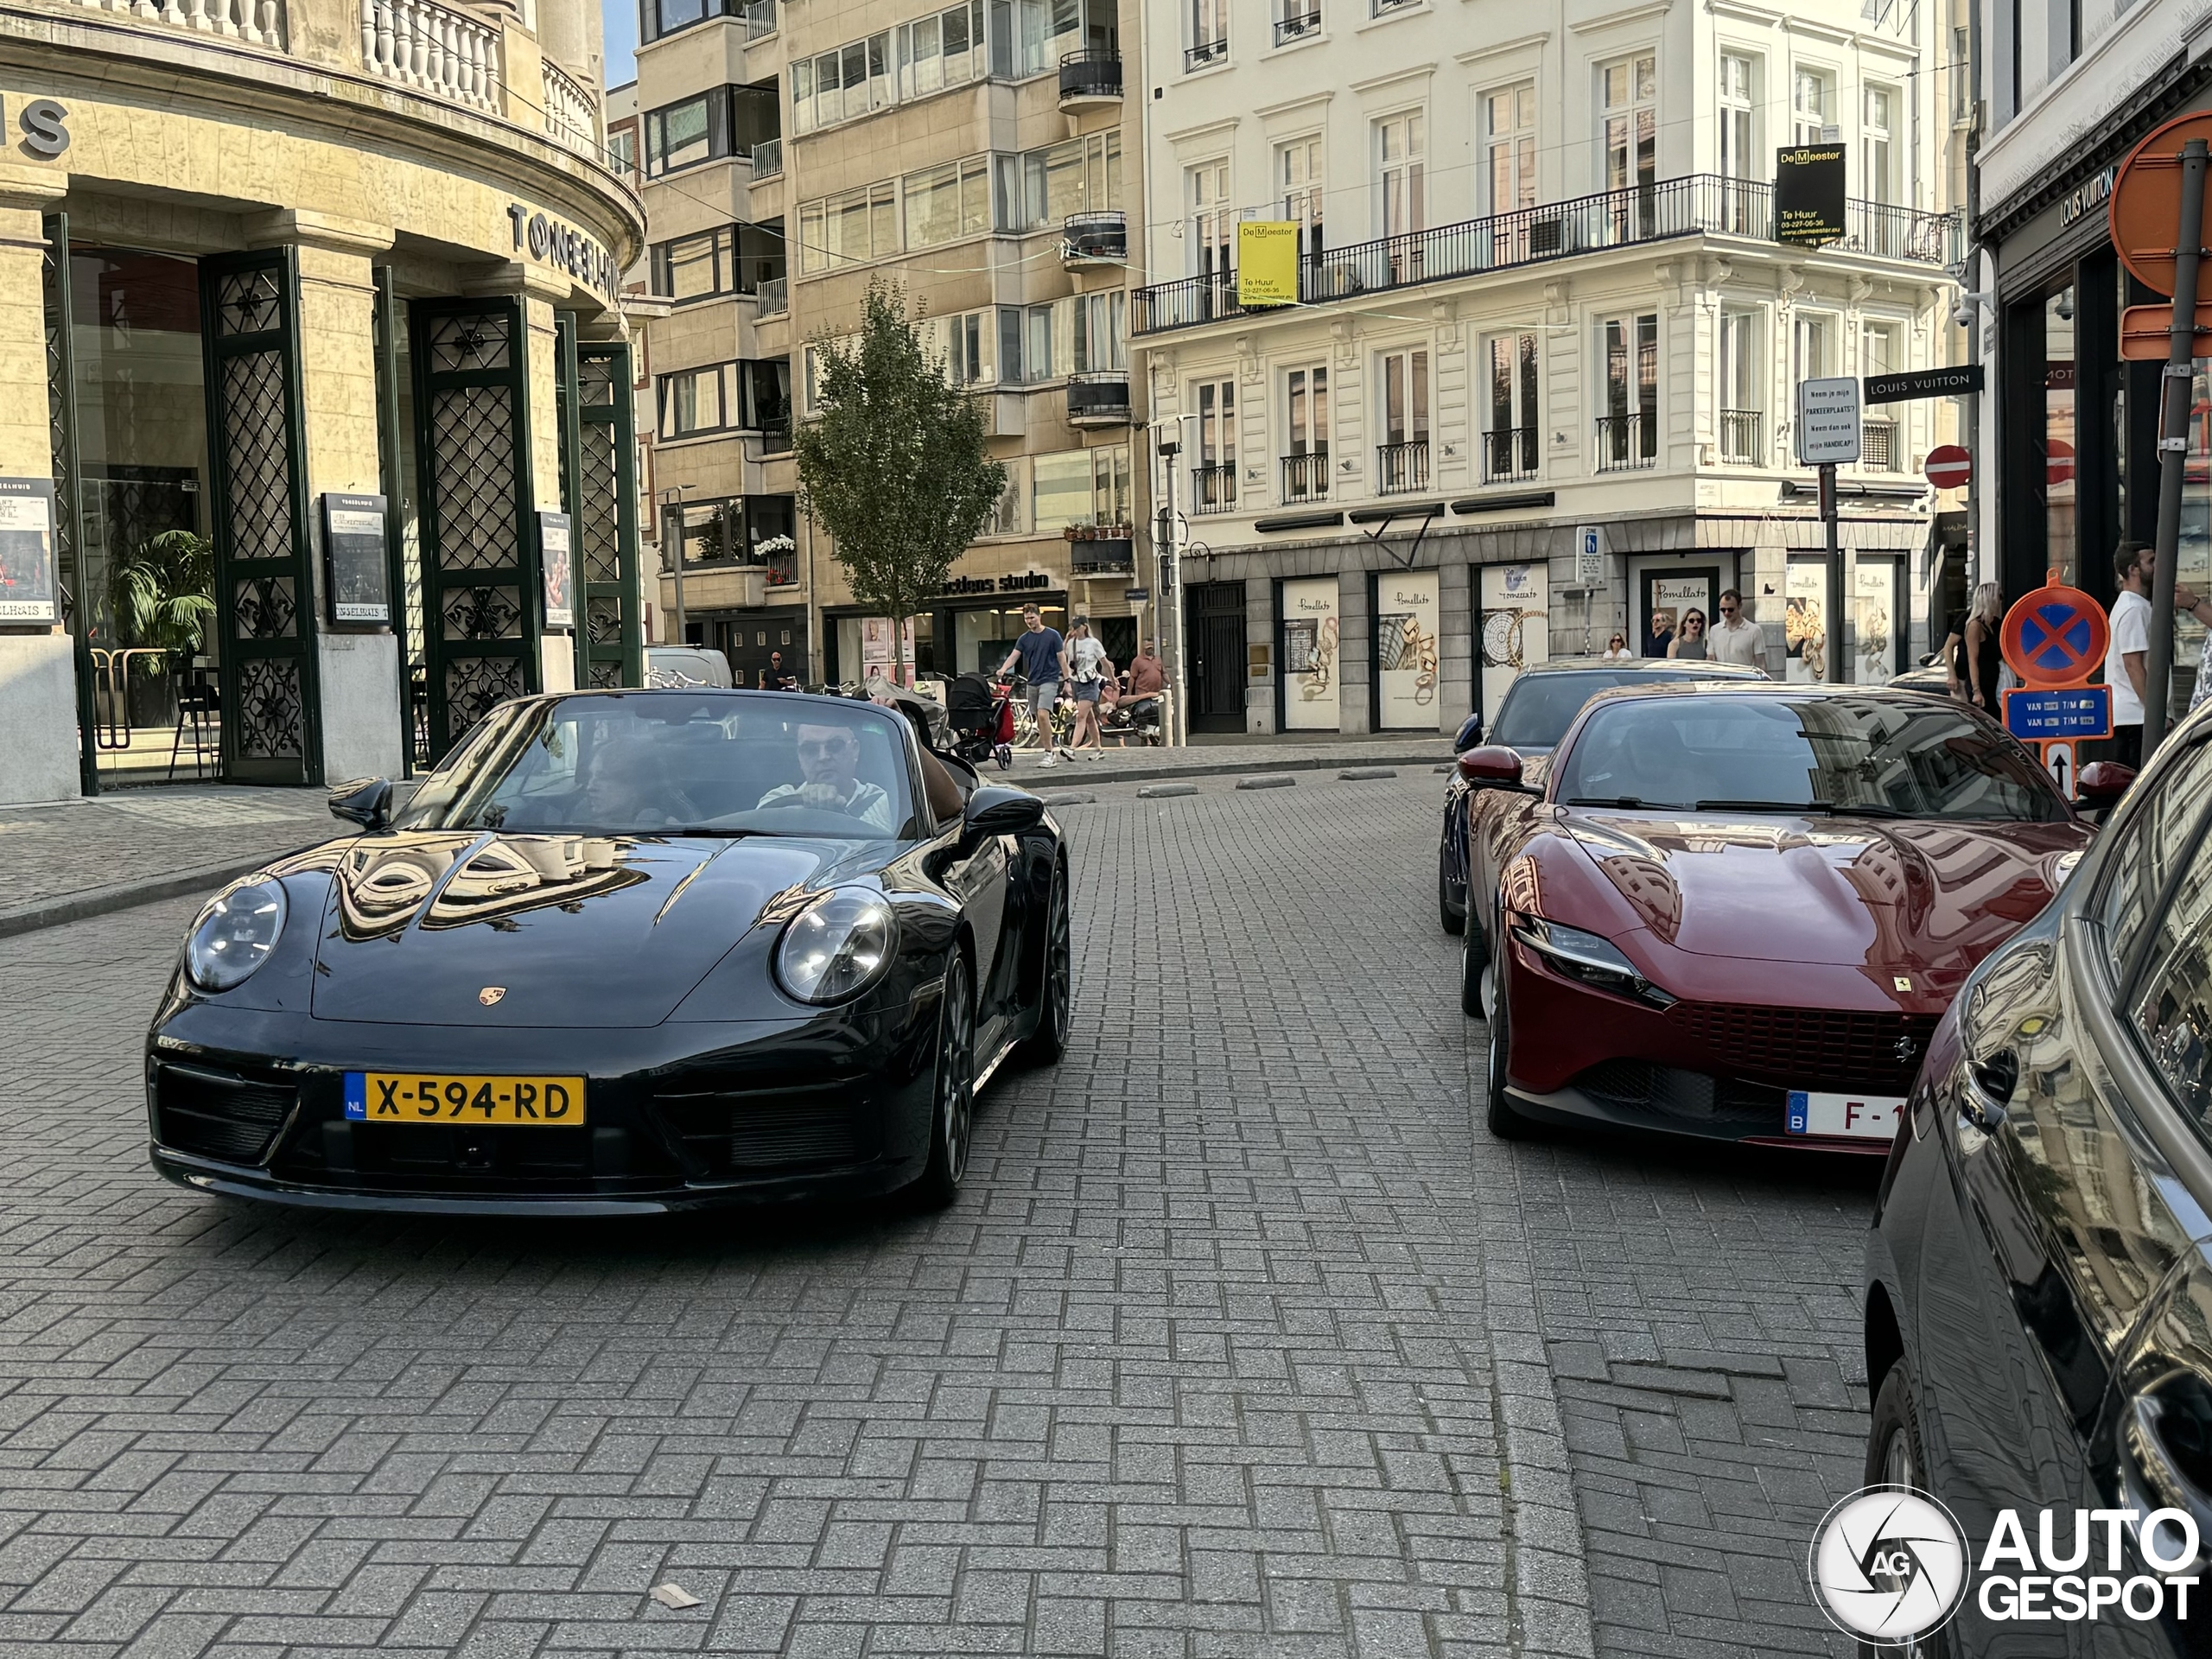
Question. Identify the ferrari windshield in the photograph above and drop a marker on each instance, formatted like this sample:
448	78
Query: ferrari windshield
1541	706
677	762
1863	755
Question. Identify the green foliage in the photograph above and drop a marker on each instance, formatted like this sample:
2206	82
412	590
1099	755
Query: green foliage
893	466
164	596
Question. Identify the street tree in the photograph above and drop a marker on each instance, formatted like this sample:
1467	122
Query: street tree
892	466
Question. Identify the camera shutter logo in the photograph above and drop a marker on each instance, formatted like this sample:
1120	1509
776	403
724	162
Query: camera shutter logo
1888	1564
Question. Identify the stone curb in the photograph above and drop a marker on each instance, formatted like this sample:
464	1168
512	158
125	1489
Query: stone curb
1165	791
1365	774
1267	780
127	895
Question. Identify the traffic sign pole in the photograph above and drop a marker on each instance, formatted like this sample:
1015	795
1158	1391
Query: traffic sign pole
1839	661
2173	440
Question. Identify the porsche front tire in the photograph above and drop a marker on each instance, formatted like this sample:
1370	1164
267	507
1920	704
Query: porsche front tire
1453	920
1056	996
1474	956
952	1113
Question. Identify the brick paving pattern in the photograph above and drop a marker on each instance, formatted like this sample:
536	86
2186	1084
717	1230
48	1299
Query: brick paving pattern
49	852
1243	1340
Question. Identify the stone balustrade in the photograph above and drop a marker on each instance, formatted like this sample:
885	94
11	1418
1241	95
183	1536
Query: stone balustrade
571	113
432	50
259	22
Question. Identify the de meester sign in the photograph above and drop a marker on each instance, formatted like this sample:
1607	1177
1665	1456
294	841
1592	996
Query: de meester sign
1809	186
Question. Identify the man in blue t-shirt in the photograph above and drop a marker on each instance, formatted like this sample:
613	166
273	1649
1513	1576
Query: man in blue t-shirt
1044	658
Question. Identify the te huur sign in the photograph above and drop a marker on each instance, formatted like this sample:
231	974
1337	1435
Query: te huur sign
1809	186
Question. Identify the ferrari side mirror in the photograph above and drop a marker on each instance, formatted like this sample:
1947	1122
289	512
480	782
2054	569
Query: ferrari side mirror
2105	781
996	809
366	801
1492	767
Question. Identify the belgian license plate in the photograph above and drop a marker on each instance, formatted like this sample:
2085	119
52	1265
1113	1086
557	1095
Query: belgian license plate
1857	1118
443	1097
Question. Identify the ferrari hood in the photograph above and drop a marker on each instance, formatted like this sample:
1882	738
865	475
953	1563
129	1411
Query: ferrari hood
1910	898
559	930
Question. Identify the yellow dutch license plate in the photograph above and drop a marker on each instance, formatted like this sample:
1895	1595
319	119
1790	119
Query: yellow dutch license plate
442	1098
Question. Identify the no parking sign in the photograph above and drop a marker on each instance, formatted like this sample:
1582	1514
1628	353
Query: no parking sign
2054	639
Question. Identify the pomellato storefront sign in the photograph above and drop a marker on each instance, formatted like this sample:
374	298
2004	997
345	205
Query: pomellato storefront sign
551	243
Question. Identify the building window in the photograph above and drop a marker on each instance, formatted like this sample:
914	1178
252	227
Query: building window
1401	149
1740	157
1213	221
1511	438
1029	36
686	134
846	229
691	401
1041	188
1878	145
729	259
1112	498
948	202
1742	407
1961	77
1297	20
1629	122
1812	342
663	17
1209	34
944	50
964	343
1306	422
1628	432
1213	472
1060	490
1401	459
1877	430
842	85
1812	104
622	151
1510	133
1101	331
1298	170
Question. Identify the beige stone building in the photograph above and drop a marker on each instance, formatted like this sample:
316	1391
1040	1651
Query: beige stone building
307	307
975	152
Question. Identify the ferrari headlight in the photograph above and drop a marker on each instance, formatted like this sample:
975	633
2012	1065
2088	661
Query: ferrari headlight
837	946
1590	957
235	935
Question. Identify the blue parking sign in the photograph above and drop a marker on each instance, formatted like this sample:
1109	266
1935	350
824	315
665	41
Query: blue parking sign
2041	715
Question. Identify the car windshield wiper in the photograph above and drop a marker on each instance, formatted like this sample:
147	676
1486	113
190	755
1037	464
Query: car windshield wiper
1832	808
1619	800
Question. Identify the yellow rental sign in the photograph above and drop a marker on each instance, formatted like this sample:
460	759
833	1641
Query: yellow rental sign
1266	262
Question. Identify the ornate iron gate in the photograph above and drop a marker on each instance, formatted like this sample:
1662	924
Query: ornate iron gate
68	497
480	601
604	505
265	582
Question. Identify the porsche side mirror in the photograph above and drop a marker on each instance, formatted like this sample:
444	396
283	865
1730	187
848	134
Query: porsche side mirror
1470	734
2105	781
995	810
366	801
1491	766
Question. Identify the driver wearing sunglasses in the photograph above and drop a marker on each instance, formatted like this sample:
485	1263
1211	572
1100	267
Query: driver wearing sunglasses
829	759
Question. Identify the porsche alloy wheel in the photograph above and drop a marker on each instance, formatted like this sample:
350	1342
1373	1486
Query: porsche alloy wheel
1056	1006
1503	1120
952	1120
1894	1458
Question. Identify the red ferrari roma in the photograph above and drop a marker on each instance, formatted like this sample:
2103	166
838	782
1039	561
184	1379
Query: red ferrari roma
1737	910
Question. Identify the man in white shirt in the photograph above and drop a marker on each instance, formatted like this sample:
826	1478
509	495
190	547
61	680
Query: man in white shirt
2127	658
1738	639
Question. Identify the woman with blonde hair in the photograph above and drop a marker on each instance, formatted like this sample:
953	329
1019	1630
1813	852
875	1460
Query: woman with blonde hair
1690	642
1979	654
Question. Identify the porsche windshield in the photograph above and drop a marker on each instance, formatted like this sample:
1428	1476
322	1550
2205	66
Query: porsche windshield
1869	756
676	762
1541	706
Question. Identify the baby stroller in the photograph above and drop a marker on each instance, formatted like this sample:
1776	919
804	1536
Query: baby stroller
981	720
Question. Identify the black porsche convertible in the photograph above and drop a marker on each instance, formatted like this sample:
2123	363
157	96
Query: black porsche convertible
623	952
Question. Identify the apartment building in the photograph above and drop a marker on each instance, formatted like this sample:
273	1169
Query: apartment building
1538	387
978	153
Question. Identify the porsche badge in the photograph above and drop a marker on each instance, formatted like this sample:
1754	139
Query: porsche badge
490	994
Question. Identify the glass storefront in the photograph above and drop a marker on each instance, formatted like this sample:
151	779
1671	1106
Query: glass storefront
982	638
2060	537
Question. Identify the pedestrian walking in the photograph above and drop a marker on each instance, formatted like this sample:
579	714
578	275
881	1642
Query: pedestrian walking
1738	639
1660	634
2128	660
1043	655
1689	644
1617	651
1979	655
1088	669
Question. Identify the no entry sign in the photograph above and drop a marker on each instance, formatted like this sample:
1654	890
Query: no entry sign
2055	636
1949	467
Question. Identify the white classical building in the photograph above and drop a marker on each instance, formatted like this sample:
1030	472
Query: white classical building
1542	307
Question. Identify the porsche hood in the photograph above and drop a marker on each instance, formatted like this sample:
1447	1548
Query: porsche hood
555	930
1928	898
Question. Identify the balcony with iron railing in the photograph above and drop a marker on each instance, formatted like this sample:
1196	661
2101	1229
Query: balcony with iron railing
1305	476
1739	437
1700	205
1102	550
1627	442
1100	398
773	297
1213	488
1300	25
1509	453
1877	446
767	158
1099	237
759	19
1090	79
1206	53
1402	467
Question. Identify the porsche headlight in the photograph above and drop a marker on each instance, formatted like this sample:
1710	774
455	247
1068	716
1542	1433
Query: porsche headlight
235	935
837	946
1590	957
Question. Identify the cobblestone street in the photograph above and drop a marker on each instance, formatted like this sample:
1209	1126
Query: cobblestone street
1243	1339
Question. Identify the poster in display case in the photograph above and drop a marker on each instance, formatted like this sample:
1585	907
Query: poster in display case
1804	621
26	574
357	571
1310	691
1671	593
1878	620
1516	627
1407	660
558	568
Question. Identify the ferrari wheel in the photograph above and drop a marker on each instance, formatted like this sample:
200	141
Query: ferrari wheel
1056	1003
1502	1120
952	1118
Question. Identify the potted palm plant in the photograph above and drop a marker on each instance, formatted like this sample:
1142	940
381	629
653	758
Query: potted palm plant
163	598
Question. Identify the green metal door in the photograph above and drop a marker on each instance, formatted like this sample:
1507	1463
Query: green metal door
604	505
480	600
265	582
68	495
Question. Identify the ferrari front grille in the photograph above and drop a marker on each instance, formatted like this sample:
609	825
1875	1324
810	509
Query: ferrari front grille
219	1114
1669	1091
1809	1047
